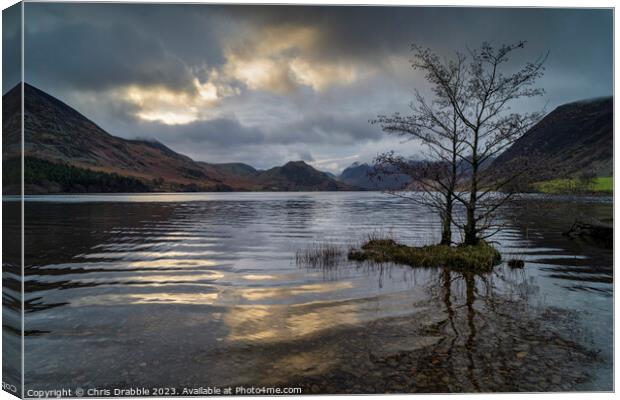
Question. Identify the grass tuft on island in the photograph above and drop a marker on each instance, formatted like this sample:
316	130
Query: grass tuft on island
478	258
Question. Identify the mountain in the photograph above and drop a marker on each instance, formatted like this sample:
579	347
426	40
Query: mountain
56	133
233	169
298	176
572	139
293	176
66	152
365	176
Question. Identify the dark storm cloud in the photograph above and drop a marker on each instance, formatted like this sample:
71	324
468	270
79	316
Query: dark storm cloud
11	47
84	52
94	44
368	33
328	128
218	133
91	57
222	133
191	32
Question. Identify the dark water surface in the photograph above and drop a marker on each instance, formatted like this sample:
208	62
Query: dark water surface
194	290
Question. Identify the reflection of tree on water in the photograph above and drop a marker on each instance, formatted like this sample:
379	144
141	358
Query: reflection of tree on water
446	278
447	298
470	282
494	340
469	333
474	333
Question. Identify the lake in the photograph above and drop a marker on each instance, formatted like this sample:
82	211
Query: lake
203	290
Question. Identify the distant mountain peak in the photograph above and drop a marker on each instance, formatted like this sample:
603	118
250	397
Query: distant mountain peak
365	176
299	163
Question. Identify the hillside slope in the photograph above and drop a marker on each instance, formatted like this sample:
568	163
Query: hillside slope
67	152
572	139
55	132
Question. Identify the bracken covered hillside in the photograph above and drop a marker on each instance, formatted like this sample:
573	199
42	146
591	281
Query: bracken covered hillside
67	152
574	138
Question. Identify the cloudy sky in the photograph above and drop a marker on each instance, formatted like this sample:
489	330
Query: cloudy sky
269	84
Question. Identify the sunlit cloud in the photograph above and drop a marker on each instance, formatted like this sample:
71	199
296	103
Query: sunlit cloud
321	76
284	58
268	85
261	74
277	59
170	107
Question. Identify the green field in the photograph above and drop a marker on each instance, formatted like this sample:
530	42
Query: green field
597	185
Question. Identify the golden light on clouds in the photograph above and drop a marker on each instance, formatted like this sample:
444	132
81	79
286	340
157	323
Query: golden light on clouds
277	59
284	38
260	73
173	107
281	59
321	76
207	91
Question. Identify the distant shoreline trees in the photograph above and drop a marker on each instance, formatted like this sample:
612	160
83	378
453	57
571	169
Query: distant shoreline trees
466	122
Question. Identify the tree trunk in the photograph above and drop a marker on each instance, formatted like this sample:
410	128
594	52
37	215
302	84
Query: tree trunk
446	232
471	234
471	238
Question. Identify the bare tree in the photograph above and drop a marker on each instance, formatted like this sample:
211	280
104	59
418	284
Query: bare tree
475	92
440	130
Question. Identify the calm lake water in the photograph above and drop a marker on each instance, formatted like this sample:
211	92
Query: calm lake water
197	290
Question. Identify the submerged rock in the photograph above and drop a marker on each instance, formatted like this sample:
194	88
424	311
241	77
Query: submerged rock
593	228
516	263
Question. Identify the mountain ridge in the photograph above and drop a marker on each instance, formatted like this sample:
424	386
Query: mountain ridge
367	177
67	152
77	147
575	138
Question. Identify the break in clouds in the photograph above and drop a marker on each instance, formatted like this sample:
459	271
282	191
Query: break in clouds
268	84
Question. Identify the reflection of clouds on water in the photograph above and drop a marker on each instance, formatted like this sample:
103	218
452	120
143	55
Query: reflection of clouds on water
204	278
252	277
260	323
315	291
111	300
